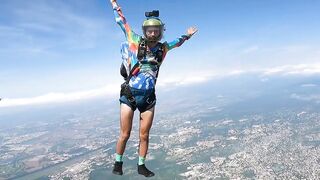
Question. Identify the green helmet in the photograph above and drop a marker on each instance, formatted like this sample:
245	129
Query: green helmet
153	22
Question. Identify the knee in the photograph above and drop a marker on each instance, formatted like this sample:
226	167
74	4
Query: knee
144	136
124	136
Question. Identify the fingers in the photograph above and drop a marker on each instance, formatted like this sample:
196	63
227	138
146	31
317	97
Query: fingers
192	30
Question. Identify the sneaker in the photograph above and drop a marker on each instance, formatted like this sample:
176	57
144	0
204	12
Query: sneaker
117	168
142	169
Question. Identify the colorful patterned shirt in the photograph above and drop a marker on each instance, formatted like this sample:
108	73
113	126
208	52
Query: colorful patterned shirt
147	76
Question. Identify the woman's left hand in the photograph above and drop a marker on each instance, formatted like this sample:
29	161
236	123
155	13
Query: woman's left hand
191	31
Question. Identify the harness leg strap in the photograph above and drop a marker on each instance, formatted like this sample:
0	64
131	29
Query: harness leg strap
125	91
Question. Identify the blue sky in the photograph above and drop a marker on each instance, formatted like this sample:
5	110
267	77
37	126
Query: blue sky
70	48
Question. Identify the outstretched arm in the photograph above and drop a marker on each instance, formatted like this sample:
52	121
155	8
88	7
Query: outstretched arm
121	20
179	41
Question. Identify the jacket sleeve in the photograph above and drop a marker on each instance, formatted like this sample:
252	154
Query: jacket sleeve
122	22
175	43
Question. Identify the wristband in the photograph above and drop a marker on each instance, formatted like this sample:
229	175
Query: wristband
187	37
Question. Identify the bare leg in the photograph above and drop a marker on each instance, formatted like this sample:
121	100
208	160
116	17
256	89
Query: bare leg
146	119
126	116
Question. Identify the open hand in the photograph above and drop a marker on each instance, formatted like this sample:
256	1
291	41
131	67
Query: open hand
191	31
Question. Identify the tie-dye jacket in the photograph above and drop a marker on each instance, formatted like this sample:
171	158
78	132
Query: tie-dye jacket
146	78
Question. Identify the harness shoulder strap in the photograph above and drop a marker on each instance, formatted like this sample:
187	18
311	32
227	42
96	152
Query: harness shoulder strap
142	51
133	71
159	52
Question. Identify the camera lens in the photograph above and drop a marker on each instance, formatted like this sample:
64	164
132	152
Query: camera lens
155	13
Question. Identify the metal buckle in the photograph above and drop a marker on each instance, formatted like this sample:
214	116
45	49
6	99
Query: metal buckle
148	101
131	100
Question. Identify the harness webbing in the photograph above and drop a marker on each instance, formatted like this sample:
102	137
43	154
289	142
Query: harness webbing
142	51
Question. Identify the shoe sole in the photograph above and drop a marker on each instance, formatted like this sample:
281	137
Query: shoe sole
117	173
146	176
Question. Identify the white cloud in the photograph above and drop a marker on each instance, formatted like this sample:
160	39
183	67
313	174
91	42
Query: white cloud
312	97
166	82
260	55
300	69
309	85
185	79
250	49
48	25
236	72
61	97
170	80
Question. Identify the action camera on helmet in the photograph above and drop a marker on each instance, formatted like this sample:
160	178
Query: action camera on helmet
154	13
